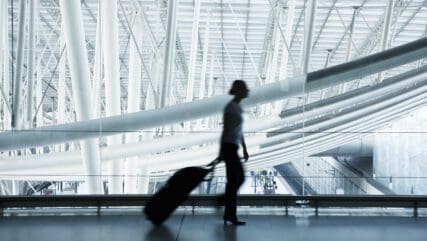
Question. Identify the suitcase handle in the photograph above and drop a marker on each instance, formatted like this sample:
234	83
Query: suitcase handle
213	163
211	167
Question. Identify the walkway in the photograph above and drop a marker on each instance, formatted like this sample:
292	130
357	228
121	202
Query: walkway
203	226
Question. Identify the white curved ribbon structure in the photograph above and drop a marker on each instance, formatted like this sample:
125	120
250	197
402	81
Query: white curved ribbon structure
206	107
296	133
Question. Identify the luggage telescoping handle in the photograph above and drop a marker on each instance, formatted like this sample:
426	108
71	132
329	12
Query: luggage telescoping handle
211	167
213	163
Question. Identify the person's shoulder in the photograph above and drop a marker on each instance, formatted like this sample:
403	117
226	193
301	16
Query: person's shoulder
235	106
229	106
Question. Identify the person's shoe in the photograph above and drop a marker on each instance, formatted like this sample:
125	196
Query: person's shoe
234	221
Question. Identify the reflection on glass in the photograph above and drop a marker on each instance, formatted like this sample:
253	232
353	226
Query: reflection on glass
401	154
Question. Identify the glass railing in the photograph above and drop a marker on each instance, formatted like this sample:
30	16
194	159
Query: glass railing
256	183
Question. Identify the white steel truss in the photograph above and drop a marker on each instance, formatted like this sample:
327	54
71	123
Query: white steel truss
128	71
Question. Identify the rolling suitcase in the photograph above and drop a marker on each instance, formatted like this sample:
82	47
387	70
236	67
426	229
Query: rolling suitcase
175	192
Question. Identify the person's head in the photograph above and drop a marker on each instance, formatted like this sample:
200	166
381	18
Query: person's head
239	89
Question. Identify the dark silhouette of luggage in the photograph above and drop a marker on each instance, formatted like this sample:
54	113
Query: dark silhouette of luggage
176	191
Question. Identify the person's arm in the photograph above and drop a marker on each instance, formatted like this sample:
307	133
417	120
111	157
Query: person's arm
225	120
245	150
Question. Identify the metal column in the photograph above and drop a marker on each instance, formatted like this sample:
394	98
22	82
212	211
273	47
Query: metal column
385	31
112	84
169	54
4	66
202	89
349	45
272	70
30	64
80	78
386	25
17	89
97	68
272	58
310	12
193	52
283	70
150	99
39	93
350	37
61	85
211	86
39	79
3	96
134	100
204	61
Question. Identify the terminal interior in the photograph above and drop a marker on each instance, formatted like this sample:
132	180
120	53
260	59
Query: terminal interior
111	98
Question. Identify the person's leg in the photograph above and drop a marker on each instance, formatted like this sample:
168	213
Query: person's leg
240	173
237	181
233	180
231	191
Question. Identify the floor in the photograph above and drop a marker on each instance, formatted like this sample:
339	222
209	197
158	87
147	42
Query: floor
202	226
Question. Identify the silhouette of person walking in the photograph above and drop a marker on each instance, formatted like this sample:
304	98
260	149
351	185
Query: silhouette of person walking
231	139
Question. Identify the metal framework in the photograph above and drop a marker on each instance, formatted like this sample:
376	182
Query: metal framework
101	79
316	202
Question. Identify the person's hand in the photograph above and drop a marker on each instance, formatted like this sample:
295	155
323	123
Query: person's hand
245	155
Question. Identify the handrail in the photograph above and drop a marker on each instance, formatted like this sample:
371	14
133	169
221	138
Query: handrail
317	201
